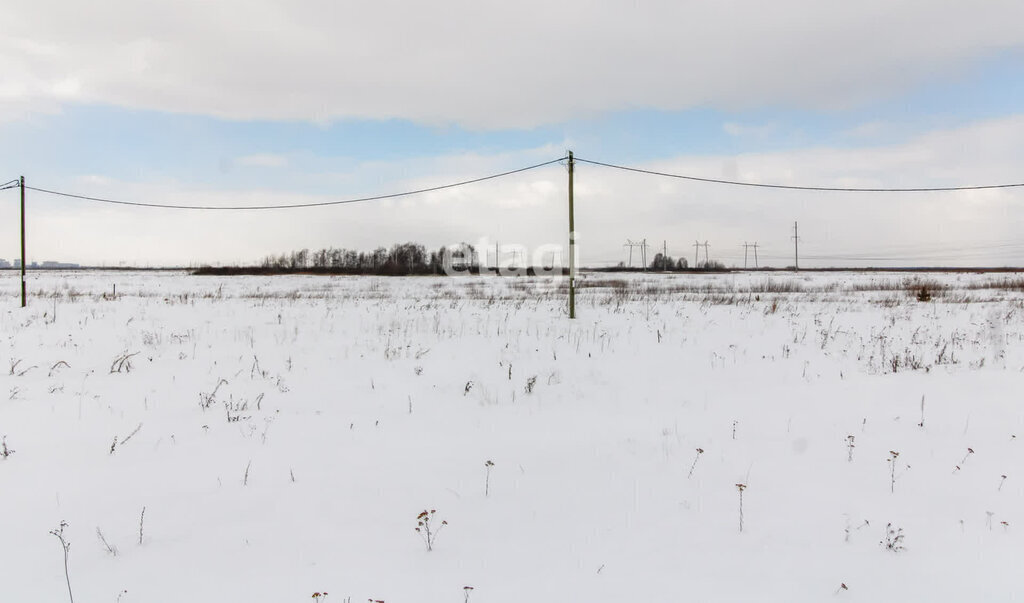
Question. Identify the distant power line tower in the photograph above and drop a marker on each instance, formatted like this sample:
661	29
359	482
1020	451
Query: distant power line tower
629	243
642	245
696	253
746	247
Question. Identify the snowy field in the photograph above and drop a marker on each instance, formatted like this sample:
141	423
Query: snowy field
284	434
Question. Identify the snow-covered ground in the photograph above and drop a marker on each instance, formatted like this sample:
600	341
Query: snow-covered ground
283	434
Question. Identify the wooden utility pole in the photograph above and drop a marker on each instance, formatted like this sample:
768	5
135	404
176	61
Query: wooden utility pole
572	244
796	247
24	300
696	254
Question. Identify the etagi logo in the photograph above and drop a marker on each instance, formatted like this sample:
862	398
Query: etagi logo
488	258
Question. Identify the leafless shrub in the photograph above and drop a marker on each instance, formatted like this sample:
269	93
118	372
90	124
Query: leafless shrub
893	455
893	540
106	545
700	451
125	439
4	450
142	521
234	411
207	400
66	545
426	531
59	365
19	372
741	488
123	363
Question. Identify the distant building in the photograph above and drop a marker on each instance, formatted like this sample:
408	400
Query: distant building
4	263
47	265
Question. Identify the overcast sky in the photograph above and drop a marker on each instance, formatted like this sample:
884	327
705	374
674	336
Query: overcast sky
271	101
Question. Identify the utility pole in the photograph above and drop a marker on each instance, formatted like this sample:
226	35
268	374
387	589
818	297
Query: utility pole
643	252
572	245
746	247
707	258
796	247
24	300
696	254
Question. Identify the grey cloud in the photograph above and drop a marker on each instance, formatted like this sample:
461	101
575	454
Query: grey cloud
486	64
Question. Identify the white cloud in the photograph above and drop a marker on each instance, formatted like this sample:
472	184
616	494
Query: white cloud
483	64
611	206
96	180
266	160
748	130
868	130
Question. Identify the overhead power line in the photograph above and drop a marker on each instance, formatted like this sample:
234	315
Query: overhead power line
16	183
298	205
802	188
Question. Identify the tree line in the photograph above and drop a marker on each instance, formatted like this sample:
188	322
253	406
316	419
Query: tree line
403	259
400	259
